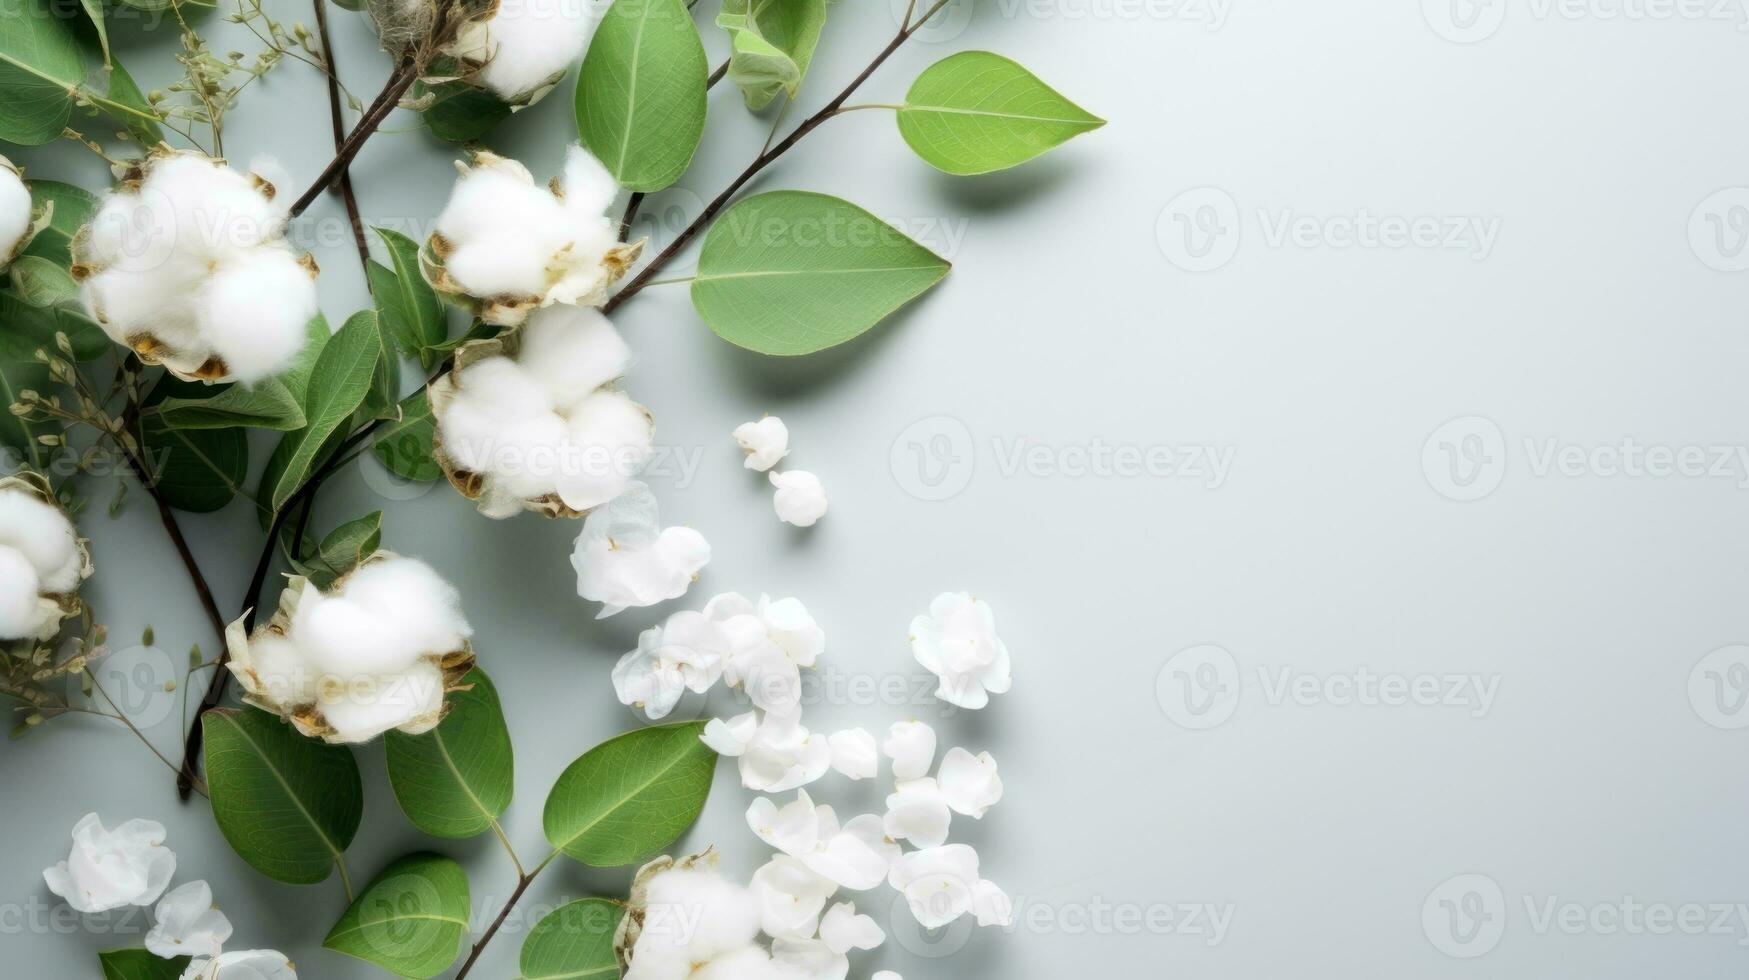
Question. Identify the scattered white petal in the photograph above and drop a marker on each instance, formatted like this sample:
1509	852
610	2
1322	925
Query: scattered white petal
765	442
854	754
992	905
783	755
791	898
249	964
956	641
113	869
911	746
685	653
843	930
938	883
793	629
917	812
808	959
969	783
800	498
730	737
188	924
625	558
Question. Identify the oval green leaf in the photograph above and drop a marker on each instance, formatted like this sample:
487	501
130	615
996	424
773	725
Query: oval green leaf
288	805
630	797
410	920
404	447
197	470
267	404
641	93
791	272
73	207
456	780
977	112
139	964
771	44
574	941
338	383
41	67
410	310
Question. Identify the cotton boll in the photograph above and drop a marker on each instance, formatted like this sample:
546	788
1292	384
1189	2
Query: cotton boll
533	40
361	708
128	305
20	606
410	594
800	498
344	639
282	671
589	186
496	195
747	963
500	266
702	911
253	312
571	351
14	211
610	437
41	532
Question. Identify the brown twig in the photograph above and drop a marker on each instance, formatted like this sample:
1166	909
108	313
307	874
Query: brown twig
399	82
345	182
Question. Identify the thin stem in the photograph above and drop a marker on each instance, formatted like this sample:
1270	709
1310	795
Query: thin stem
345	878
345	182
648	273
717	75
122	717
522	883
868	105
625	222
498	829
401	80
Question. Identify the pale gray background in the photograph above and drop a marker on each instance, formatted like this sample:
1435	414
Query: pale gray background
1322	830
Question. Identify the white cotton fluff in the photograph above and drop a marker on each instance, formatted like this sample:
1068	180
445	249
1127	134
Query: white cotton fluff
694	919
39	557
14	211
530	42
538	424
363	658
20	590
188	266
515	246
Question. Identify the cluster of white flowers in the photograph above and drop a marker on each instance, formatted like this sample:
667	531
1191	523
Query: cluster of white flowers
187	265
534	421
42	562
525	47
16	220
513	246
756	647
798	496
624	557
957	642
378	651
130	866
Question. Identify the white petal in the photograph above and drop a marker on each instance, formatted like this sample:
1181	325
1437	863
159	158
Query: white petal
854	754
792	628
992	905
188	924
810	959
843	930
624	558
791	898
911	746
800	498
969	783
249	964
937	883
730	737
857	857
765	442
111	869
917	812
793	829
956	640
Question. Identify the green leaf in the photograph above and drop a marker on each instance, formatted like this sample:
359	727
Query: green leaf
772	43
641	93
17	377
338	385
140	964
404	447
198	470
297	377
410	310
40	68
94	13
118	95
792	272
410	920
630	797
381	401
345	547
461	113
288	805
975	112
456	780
42	283
24	329
268	404
575	940
73	208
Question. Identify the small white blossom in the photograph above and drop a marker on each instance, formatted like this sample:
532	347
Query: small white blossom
532	420
514	246
855	856
187	266
940	884
769	642
248	964
917	812
791	897
188	924
911	746
765	442
792	628
783	755
685	653
854	754
969	783
843	930
800	498
957	642
525	47
42	561
376	652
112	869
732	736
624	557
